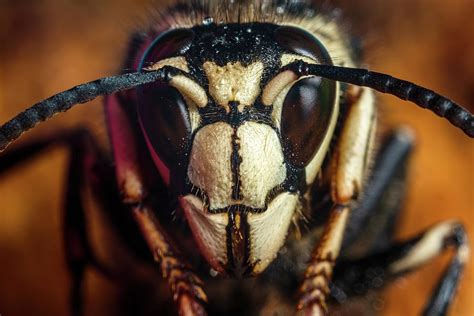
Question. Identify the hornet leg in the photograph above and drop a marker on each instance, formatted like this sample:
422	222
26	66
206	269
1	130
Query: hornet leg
133	179
356	277
349	166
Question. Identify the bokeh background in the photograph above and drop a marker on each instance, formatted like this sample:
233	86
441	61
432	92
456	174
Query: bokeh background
49	45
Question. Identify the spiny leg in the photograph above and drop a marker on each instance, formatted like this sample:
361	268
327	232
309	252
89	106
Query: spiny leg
372	223
349	165
356	277
137	194
185	286
84	156
315	288
378	206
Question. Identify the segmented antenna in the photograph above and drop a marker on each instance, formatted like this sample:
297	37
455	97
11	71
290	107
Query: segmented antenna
425	98
83	93
63	101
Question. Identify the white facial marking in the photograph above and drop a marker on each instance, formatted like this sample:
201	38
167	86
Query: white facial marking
190	89
234	82
210	163
268	230
284	80
176	62
287	59
193	94
278	105
209	231
194	116
262	167
277	85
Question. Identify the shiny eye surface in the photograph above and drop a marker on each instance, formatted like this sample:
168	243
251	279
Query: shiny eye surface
300	42
162	110
306	116
309	105
170	44
165	121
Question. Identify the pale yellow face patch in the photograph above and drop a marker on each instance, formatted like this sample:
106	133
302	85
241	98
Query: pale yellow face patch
234	82
287	59
176	62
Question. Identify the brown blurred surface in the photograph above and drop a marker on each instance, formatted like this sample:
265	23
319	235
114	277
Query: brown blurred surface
48	46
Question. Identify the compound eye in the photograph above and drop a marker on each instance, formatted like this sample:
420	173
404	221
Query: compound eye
306	115
300	42
171	44
165	121
310	103
162	110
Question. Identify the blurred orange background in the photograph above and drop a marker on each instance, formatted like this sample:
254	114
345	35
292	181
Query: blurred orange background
51	45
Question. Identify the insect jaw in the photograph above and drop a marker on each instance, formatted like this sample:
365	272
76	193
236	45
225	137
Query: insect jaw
239	242
209	231
241	212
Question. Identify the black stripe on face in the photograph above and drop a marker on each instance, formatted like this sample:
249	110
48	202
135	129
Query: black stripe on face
295	182
238	243
236	160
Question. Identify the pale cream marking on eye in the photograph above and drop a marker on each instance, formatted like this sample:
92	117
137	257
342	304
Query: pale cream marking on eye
278	104
176	62
287	59
194	116
283	81
191	89
185	85
234	82
273	89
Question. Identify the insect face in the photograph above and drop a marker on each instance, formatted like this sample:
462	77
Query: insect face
210	132
237	117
